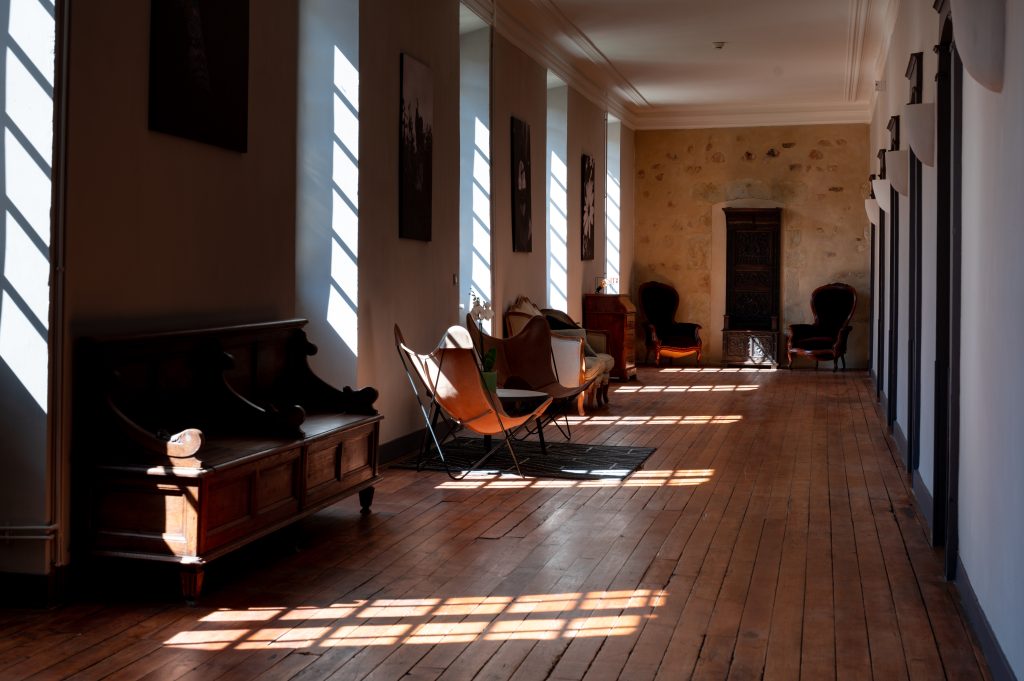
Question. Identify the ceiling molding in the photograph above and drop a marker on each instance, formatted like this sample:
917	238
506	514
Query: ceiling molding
675	118
596	57
855	46
541	50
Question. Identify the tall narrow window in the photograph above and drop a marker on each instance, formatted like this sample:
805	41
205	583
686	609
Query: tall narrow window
558	195
327	214
28	71
613	206
475	165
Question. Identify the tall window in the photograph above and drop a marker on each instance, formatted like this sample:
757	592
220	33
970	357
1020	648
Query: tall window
28	70
327	243
558	193
613	206
475	157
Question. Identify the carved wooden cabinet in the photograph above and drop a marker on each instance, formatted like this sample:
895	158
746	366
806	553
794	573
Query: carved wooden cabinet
753	261
616	315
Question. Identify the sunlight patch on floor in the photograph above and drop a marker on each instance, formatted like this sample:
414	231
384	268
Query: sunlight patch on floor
724	388
643	478
654	420
426	621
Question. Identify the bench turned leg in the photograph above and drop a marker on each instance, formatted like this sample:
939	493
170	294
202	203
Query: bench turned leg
191	583
365	499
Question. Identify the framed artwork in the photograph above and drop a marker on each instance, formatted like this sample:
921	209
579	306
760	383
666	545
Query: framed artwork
522	229
199	70
589	216
416	151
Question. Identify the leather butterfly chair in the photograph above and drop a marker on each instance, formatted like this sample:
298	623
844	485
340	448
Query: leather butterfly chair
664	335
448	382
825	339
527	361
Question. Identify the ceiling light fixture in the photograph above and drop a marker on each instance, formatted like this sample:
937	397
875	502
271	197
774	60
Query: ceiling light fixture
719	44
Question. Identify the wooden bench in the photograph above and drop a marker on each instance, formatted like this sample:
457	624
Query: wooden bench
191	444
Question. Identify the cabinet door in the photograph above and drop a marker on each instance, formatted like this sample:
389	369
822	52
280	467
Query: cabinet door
339	462
752	268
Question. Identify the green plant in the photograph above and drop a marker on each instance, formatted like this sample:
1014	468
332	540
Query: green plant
488	359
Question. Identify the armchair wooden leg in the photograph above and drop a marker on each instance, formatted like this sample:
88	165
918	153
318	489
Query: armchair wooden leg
586	397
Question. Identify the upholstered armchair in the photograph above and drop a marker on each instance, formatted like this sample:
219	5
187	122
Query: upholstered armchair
663	334
825	339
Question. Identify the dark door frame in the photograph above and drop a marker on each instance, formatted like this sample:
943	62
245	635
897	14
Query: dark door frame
880	323
949	112
872	293
916	76
892	384
881	385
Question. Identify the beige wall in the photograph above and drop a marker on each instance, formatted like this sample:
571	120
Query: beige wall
627	214
815	172
518	88
991	428
586	135
164	232
404	281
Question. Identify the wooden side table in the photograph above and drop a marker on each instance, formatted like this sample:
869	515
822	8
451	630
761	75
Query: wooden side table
615	315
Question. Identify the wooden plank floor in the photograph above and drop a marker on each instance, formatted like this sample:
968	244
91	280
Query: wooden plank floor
770	536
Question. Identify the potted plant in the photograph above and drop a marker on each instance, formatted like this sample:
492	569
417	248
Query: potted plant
489	374
481	312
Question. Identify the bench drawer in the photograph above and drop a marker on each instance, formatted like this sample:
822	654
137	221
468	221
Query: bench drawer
337	463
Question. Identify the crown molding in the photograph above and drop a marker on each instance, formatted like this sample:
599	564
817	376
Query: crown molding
540	48
855	46
564	26
674	118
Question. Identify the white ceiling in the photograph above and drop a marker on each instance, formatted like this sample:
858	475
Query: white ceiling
784	61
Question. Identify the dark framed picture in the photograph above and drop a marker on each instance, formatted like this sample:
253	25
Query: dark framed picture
522	229
588	221
199	70
415	151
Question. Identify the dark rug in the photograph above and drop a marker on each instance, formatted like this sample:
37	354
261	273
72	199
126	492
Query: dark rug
562	460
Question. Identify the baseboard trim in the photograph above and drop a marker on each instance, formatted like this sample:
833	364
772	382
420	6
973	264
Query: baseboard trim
925	503
19	590
901	442
998	665
401	447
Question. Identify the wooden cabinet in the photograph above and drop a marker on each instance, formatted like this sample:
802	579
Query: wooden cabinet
753	251
615	315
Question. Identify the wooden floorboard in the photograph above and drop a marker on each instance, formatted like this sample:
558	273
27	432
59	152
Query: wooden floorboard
772	535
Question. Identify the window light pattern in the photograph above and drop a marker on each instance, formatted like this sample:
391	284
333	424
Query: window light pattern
425	621
343	299
25	233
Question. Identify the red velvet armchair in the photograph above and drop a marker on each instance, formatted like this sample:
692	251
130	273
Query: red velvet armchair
663	334
825	339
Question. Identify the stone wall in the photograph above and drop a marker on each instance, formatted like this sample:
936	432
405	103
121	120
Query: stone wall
817	174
